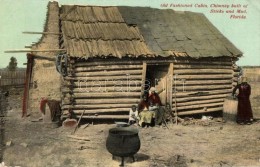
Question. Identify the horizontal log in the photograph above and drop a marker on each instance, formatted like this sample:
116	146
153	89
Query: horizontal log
201	93
102	101
235	79
31	50
45	33
236	74
201	82
105	117
105	78
106	62
236	69
198	66
201	98
221	62
111	117
194	77
97	106
102	68
201	111
98	111
201	87
203	62
200	102
122	73
109	95
91	83
98	89
203	71
198	106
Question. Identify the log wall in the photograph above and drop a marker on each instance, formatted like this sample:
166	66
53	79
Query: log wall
104	90
107	90
201	86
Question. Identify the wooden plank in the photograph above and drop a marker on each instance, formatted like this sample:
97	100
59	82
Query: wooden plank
109	73
143	78
203	71
200	111
102	68
198	106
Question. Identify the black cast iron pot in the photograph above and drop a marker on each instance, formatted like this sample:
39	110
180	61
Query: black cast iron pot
123	142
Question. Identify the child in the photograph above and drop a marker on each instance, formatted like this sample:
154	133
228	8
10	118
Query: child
133	114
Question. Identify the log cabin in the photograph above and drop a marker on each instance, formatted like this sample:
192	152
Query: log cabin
115	53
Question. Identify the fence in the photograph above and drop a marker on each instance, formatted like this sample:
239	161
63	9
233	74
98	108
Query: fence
3	105
12	78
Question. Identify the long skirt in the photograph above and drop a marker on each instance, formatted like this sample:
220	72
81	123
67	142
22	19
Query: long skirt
244	110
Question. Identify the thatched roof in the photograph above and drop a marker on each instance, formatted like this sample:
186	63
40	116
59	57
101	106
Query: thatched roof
95	31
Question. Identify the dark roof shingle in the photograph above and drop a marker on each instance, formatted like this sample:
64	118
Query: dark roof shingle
94	31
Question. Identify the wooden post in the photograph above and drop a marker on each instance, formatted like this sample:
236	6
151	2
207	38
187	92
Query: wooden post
175	99
40	50
169	85
78	121
45	33
143	78
27	84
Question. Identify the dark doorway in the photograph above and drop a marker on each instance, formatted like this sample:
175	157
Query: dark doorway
157	76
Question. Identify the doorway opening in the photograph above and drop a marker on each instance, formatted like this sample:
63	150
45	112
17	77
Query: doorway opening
157	77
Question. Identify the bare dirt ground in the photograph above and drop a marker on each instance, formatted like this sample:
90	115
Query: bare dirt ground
37	144
211	143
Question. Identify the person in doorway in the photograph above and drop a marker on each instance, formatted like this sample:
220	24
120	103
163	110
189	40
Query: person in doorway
143	103
133	115
244	110
154	97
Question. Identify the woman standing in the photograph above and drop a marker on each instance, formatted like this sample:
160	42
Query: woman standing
244	110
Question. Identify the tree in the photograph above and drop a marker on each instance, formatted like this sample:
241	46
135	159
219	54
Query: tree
12	64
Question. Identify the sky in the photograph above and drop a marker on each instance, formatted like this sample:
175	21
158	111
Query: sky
17	16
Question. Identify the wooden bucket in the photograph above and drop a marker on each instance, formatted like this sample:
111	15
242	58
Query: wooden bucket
230	109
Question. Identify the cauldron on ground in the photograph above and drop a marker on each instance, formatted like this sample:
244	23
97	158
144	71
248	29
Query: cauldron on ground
123	142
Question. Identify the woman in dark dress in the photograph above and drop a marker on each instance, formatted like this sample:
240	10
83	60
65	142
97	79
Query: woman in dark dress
244	110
